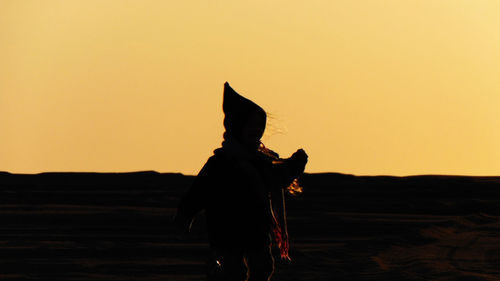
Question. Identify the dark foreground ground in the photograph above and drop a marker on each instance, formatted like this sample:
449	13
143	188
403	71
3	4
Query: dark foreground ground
87	226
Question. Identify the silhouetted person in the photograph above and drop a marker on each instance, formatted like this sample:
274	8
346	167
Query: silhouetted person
234	188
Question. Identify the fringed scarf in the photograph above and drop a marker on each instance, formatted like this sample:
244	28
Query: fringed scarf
263	187
281	235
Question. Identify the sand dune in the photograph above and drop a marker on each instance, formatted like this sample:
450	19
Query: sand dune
92	226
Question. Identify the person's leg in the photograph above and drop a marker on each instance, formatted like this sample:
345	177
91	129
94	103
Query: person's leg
260	263
232	265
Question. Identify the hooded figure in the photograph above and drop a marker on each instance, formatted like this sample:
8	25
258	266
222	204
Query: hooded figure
235	187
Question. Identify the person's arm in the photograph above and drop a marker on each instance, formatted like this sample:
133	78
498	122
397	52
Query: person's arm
284	172
289	169
194	200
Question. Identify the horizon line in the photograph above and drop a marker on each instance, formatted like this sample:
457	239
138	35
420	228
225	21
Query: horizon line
306	173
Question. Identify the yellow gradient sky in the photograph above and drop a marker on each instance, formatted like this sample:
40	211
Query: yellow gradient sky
396	87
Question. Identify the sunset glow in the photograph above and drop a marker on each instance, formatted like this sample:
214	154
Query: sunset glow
365	87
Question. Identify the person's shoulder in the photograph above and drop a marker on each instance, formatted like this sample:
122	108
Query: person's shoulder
217	161
220	155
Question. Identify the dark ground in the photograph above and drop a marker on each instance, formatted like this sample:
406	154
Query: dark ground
90	226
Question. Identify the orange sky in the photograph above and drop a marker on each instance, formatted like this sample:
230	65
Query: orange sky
365	87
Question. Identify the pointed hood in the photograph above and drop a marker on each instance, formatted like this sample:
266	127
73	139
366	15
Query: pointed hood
237	109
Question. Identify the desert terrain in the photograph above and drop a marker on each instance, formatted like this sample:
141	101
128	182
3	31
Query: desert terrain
117	226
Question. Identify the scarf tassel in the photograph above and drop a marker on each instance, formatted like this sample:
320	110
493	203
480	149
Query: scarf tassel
281	238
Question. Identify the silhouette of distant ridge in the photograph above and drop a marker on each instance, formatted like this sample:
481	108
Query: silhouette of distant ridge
117	226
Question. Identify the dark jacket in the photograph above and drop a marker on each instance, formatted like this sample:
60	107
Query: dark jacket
238	213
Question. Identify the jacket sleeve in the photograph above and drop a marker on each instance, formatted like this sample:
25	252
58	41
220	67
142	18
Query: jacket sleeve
194	200
285	172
